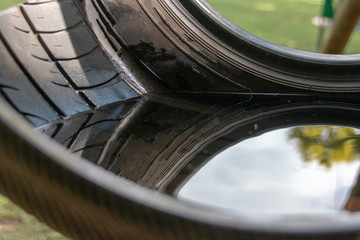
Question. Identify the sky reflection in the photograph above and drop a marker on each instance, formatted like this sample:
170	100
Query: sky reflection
265	177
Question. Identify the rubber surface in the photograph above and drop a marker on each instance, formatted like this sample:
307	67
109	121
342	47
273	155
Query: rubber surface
193	49
52	66
82	72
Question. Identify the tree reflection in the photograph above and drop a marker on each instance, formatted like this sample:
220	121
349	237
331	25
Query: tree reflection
327	144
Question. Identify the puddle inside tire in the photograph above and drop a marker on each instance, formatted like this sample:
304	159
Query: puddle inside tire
259	158
285	173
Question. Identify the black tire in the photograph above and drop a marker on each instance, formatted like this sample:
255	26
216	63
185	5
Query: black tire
78	72
190	47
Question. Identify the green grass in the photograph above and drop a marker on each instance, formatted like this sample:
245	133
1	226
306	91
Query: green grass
4	4
15	224
283	22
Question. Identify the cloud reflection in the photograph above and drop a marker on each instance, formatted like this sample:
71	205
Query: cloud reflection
265	177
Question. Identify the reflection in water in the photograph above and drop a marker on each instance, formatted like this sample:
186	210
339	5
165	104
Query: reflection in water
264	177
327	144
205	149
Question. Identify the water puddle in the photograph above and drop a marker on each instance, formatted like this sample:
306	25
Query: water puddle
291	172
259	157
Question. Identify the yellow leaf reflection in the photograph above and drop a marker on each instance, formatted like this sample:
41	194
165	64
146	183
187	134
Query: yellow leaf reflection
326	144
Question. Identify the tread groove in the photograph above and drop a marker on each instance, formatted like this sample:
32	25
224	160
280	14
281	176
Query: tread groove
4	95
57	130
37	3
51	56
102	121
77	133
69	59
111	18
27	19
44	46
21	30
9	87
9	101
42	59
33	115
107	24
87	100
107	36
27	74
73	85
53	59
98	85
88	147
61	85
52	32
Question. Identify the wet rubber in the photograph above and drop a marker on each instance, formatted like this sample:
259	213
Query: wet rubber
80	72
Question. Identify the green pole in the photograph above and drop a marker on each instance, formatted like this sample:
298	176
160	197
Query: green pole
328	9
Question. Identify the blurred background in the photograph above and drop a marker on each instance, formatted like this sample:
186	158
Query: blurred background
294	24
289	23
